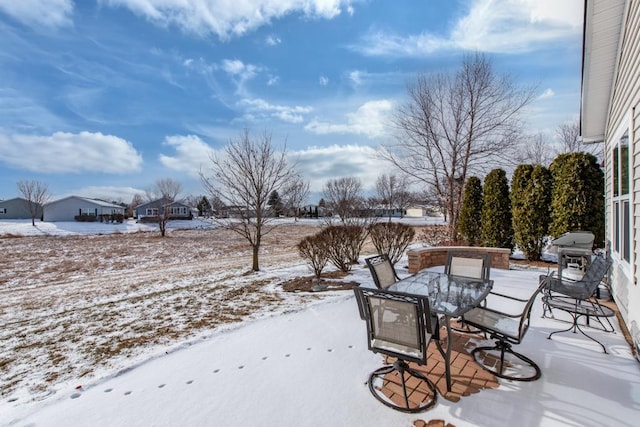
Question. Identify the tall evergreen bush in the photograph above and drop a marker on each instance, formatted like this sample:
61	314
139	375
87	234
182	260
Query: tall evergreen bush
577	195
497	230
470	225
530	208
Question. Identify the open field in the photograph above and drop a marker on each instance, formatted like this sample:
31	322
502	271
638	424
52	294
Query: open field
77	307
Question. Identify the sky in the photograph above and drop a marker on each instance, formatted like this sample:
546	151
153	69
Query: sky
101	98
309	368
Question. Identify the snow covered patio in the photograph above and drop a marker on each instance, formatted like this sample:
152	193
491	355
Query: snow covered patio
309	368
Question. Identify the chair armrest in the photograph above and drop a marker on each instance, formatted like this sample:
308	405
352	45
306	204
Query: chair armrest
501	313
511	297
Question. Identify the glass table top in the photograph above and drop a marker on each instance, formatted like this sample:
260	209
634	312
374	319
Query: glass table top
448	295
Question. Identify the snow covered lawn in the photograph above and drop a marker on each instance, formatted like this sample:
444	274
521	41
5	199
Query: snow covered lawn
76	305
130	329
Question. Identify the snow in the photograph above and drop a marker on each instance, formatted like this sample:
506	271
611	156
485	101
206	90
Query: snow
305	363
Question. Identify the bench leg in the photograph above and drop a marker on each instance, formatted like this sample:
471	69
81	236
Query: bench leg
576	326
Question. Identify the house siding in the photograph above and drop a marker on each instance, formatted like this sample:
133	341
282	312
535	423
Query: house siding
141	210
626	84
624	114
16	208
67	209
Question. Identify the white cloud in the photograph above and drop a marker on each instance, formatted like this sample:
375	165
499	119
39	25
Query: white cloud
273	80
228	18
324	81
323	163
356	77
497	26
369	119
109	193
236	67
64	152
272	40
191	154
36	13
380	43
259	108
240	73
549	93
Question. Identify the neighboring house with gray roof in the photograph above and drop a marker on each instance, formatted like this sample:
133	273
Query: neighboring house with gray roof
17	208
175	210
68	208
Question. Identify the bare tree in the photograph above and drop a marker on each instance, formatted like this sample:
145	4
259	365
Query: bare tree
165	191
571	141
294	194
404	199
537	150
36	194
167	188
136	201
392	190
457	124
244	178
343	196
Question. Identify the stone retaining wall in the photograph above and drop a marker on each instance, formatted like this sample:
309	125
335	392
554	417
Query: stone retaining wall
429	257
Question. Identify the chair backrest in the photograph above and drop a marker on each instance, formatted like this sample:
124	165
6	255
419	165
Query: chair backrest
398	324
382	271
475	265
585	287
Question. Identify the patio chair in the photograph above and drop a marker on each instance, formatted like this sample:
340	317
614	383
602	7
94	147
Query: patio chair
578	299
581	290
401	326
587	286
468	264
382	271
506	329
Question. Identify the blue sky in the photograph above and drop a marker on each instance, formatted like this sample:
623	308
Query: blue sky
100	98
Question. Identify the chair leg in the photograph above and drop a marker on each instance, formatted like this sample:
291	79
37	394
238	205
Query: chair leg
505	348
379	378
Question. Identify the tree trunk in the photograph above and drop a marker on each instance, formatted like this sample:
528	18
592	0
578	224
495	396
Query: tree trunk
255	266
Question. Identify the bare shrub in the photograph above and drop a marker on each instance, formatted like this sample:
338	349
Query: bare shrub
435	235
355	235
391	238
315	251
344	244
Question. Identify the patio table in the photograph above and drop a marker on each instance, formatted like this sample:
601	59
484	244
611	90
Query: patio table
449	296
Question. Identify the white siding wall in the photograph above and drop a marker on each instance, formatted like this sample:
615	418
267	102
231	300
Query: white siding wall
624	113
15	209
67	209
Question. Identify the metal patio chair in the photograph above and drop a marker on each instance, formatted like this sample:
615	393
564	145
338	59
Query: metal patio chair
506	329
401	326
578	298
468	264
382	271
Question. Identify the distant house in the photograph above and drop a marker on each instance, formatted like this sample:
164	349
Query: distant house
73	207
17	208
417	211
312	211
175	210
